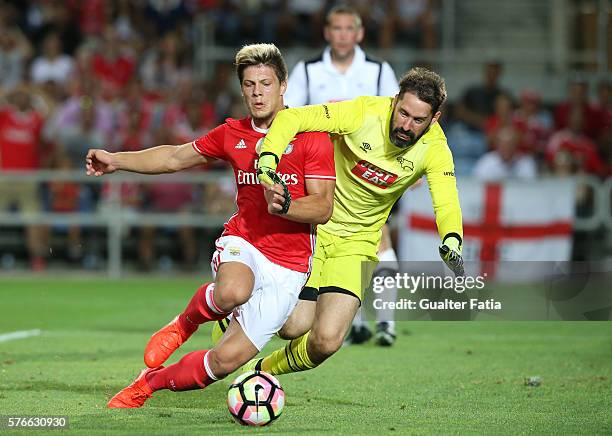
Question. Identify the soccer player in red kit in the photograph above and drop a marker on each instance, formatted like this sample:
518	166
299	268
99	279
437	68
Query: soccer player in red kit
263	257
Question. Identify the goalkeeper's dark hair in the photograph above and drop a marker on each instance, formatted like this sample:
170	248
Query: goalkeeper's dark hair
426	85
261	54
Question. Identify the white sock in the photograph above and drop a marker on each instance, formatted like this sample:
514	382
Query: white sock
388	262
389	258
207	367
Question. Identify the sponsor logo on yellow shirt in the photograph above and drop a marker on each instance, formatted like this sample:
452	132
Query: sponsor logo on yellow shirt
373	174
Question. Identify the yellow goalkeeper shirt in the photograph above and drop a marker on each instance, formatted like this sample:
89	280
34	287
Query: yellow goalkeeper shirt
371	172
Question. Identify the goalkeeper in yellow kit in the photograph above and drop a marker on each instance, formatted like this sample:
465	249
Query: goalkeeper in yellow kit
382	146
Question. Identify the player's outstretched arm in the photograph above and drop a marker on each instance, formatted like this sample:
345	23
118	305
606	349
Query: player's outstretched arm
314	208
156	160
445	199
343	117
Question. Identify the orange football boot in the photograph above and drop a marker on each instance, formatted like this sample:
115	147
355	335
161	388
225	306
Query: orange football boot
135	394
163	343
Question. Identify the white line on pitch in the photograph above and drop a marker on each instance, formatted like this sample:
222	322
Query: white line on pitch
21	334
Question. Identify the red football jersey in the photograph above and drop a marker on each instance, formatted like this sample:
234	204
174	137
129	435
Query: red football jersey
19	139
308	156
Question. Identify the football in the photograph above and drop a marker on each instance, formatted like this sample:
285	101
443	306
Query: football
255	398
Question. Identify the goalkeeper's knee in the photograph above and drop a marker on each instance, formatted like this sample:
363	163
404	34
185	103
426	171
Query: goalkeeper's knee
324	345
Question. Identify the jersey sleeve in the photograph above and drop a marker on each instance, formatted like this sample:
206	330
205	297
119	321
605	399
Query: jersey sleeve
319	161
388	82
440	172
211	144
297	91
342	118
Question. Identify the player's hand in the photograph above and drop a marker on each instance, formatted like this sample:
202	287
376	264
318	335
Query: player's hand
450	252
266	168
99	162
275	197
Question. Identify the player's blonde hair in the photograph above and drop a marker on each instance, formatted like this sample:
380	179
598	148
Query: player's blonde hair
427	85
261	54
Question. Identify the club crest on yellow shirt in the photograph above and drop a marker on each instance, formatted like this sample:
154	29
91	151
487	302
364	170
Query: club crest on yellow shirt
407	165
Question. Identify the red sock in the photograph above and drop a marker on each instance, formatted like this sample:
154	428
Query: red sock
185	375
200	310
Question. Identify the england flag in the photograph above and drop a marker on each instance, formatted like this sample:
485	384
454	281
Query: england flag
508	221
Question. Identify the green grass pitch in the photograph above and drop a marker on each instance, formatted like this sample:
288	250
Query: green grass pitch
440	378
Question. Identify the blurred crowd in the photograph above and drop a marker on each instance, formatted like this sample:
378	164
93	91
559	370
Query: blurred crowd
387	23
496	135
118	74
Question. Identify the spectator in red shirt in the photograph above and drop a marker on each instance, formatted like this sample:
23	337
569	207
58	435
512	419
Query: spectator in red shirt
20	150
578	96
534	123
110	65
573	141
20	128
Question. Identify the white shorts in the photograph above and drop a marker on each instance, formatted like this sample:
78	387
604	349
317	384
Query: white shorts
275	292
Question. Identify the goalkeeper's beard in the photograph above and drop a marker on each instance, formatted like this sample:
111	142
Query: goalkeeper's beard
405	143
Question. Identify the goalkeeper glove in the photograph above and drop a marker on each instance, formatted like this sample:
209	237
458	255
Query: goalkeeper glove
450	252
266	173
266	167
276	180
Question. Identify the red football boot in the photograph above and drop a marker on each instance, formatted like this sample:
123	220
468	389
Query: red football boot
163	343
134	395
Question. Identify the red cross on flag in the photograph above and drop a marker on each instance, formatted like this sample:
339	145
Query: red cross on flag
508	221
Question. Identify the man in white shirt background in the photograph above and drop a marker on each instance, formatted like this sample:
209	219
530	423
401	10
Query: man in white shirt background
53	64
342	72
505	162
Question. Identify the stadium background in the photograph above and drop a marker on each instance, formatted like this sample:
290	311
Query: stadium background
126	75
